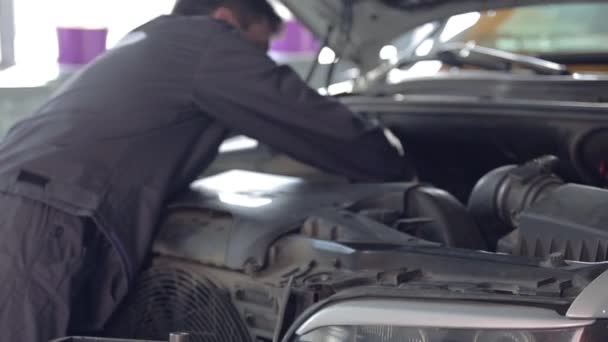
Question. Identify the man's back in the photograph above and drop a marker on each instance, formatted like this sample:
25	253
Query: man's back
142	121
130	113
122	135
83	181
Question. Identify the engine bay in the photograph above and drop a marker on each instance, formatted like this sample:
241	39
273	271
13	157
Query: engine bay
244	255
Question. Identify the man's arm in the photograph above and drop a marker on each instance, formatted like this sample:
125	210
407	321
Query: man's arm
241	87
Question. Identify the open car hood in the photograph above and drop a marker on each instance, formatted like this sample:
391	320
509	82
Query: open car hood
377	22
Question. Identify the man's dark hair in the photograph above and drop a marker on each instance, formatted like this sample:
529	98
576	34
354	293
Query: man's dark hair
247	11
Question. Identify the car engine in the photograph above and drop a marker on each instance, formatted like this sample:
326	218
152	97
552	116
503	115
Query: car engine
250	257
530	211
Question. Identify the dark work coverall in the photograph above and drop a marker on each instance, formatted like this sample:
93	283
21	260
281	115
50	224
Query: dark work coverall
83	181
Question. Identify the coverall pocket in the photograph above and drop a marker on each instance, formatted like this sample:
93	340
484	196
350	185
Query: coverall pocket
62	250
37	264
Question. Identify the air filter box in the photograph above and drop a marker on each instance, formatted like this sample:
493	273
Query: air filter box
571	220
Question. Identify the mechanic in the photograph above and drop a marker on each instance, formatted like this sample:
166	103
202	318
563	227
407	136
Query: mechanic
84	180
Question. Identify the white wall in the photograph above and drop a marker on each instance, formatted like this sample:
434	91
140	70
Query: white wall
36	21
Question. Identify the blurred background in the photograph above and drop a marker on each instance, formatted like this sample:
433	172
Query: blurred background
43	42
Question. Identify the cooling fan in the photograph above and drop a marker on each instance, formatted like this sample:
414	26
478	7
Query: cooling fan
168	299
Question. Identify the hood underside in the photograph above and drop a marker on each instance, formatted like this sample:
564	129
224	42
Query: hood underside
374	23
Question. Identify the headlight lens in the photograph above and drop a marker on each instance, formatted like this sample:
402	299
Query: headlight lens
406	334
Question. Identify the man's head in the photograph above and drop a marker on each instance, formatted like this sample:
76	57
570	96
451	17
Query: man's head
256	19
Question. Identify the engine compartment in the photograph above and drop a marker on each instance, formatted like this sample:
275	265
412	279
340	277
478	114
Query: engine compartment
243	255
455	135
234	226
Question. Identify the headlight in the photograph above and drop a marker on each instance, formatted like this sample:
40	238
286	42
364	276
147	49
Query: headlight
404	334
432	321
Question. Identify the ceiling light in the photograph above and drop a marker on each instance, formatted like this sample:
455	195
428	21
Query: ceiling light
458	24
389	53
327	56
425	48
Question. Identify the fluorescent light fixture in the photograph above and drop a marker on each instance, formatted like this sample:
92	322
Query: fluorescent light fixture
423	31
389	53
425	68
341	88
458	24
327	56
281	10
425	48
420	69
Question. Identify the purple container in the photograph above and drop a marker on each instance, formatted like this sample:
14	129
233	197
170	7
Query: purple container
295	39
78	46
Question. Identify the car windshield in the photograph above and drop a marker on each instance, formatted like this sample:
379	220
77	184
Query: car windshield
575	34
548	29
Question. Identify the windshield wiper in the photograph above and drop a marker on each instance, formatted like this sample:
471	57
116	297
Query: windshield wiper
495	59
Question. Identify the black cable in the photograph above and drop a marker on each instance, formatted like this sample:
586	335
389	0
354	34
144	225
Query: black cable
330	73
346	24
284	312
315	62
